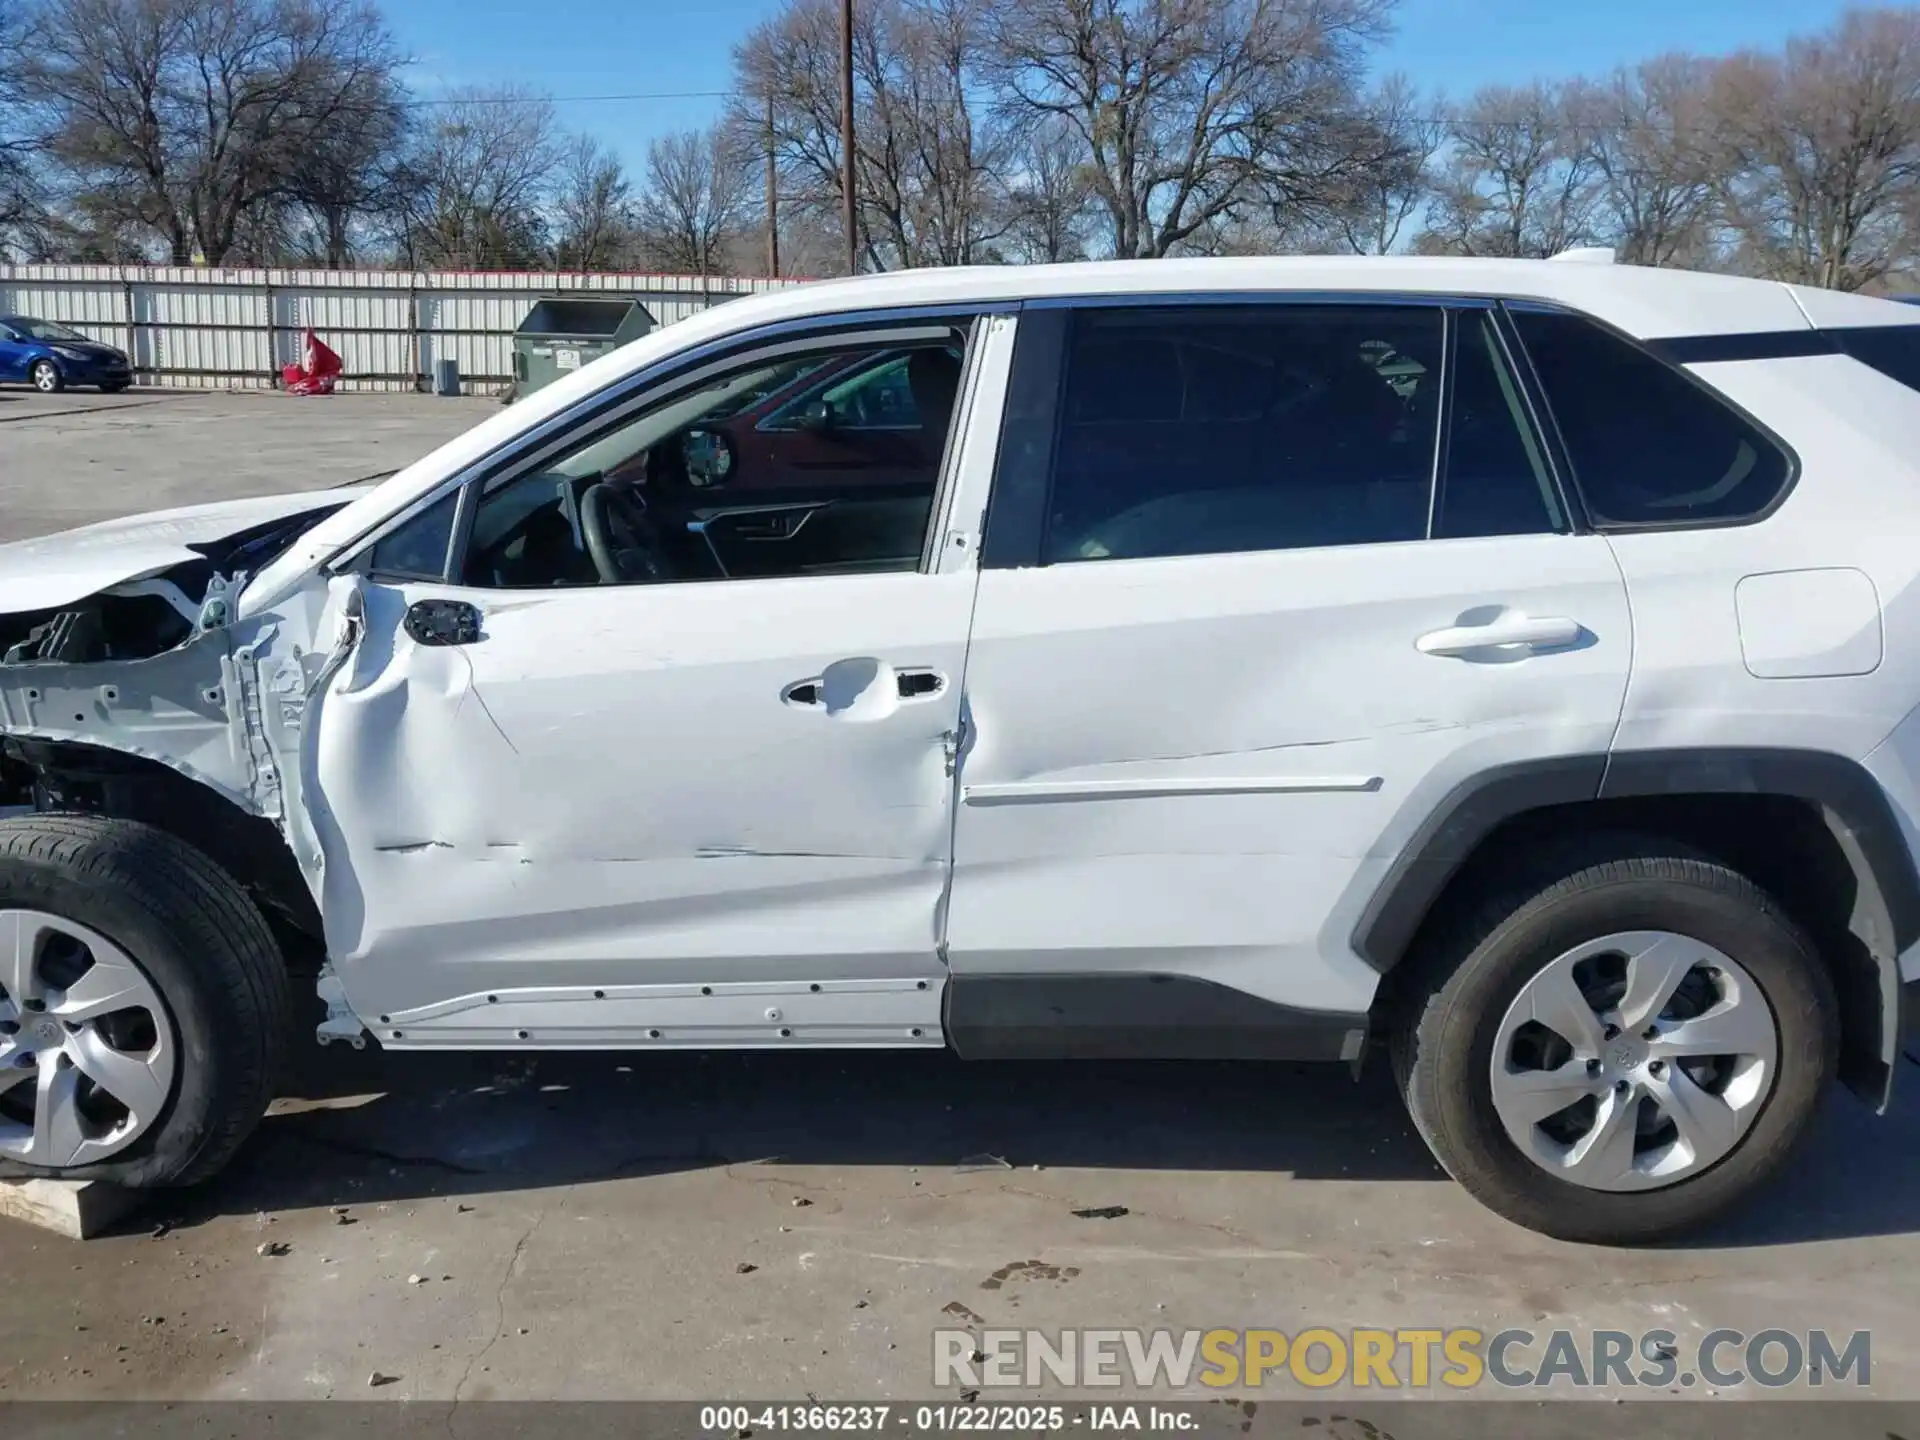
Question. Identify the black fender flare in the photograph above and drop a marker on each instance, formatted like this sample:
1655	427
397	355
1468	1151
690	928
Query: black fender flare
1854	809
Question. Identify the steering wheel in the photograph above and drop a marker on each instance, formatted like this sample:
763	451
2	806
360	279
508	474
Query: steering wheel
622	539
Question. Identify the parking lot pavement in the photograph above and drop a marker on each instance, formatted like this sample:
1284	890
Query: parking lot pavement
74	458
779	1225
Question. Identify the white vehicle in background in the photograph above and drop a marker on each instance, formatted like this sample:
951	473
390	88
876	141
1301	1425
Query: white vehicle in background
1506	661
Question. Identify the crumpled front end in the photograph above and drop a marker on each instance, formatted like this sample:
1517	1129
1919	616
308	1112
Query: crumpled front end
148	700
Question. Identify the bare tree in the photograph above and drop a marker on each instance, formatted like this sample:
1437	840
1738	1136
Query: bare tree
697	196
1646	132
471	191
22	203
1049	194
592	207
1388	194
185	115
1516	182
1191	110
1821	147
928	152
344	174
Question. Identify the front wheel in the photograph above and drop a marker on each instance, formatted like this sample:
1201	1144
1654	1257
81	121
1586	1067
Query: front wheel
144	1006
46	377
1622	1048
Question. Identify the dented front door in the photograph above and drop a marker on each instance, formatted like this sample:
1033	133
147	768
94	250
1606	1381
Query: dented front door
698	814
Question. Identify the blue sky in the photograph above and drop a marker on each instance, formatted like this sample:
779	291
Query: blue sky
600	47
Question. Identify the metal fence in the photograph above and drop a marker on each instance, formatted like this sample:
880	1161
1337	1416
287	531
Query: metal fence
234	329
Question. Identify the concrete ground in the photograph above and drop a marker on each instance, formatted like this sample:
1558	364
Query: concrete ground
74	458
603	1226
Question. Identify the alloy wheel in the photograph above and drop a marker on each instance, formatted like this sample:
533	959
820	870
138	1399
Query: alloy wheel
1634	1061
87	1047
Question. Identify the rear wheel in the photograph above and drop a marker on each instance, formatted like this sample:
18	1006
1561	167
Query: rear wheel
1620	1048
113	387
144	1006
46	377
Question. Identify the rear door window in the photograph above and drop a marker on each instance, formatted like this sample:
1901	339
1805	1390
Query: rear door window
1189	430
1648	444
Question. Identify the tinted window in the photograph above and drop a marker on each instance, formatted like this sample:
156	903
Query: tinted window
1496	480
418	549
1647	444
1893	350
1198	430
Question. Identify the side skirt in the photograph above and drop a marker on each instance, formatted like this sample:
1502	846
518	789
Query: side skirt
1137	1017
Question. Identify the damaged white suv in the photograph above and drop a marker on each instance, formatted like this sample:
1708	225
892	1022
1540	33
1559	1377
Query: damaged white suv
1503	660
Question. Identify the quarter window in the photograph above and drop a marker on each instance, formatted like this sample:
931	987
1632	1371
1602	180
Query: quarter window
1208	429
1648	445
416	550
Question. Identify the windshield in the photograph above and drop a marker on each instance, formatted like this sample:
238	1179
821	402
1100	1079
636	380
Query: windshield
43	329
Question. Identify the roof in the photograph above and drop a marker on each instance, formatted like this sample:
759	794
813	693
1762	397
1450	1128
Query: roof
1651	303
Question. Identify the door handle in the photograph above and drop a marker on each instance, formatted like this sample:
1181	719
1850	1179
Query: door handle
863	689
1530	631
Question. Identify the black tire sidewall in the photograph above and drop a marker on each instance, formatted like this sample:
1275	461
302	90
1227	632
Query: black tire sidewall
1449	1082
200	1012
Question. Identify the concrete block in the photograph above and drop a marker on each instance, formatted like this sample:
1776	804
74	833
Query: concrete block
78	1210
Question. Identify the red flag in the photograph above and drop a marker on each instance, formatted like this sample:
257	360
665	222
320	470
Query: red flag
316	374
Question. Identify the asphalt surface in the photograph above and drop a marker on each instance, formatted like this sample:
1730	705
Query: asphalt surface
77	457
788	1225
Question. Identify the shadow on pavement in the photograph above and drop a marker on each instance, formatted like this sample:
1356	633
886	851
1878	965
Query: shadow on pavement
375	1126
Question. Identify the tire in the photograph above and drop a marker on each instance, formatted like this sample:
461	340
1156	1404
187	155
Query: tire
1455	1004
46	377
202	945
114	387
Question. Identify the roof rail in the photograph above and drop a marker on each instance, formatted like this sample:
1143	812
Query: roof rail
1586	255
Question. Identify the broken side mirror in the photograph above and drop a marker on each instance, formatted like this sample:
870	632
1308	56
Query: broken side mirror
443	622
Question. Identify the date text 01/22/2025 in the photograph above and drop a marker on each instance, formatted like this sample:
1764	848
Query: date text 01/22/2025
738	1420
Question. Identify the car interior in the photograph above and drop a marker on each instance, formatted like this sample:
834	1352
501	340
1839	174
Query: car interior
810	465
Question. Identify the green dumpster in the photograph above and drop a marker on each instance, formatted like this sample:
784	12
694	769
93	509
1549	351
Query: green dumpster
563	332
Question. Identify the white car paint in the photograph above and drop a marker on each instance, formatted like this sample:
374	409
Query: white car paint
1205	766
56	570
1214	751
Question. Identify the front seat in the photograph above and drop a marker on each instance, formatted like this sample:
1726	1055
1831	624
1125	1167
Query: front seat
934	378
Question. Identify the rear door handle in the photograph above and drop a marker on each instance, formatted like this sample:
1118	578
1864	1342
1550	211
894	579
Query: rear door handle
1512	629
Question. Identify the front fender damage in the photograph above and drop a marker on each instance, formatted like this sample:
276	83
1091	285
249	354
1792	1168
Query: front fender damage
227	707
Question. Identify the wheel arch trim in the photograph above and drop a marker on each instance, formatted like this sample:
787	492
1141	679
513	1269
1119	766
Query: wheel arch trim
1853	807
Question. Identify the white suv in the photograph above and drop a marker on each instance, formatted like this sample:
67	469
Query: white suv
1221	658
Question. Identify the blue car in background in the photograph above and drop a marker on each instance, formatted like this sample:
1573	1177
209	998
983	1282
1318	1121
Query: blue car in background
51	357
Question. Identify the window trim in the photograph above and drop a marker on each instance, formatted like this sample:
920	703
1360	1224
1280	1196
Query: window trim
620	394
1594	520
